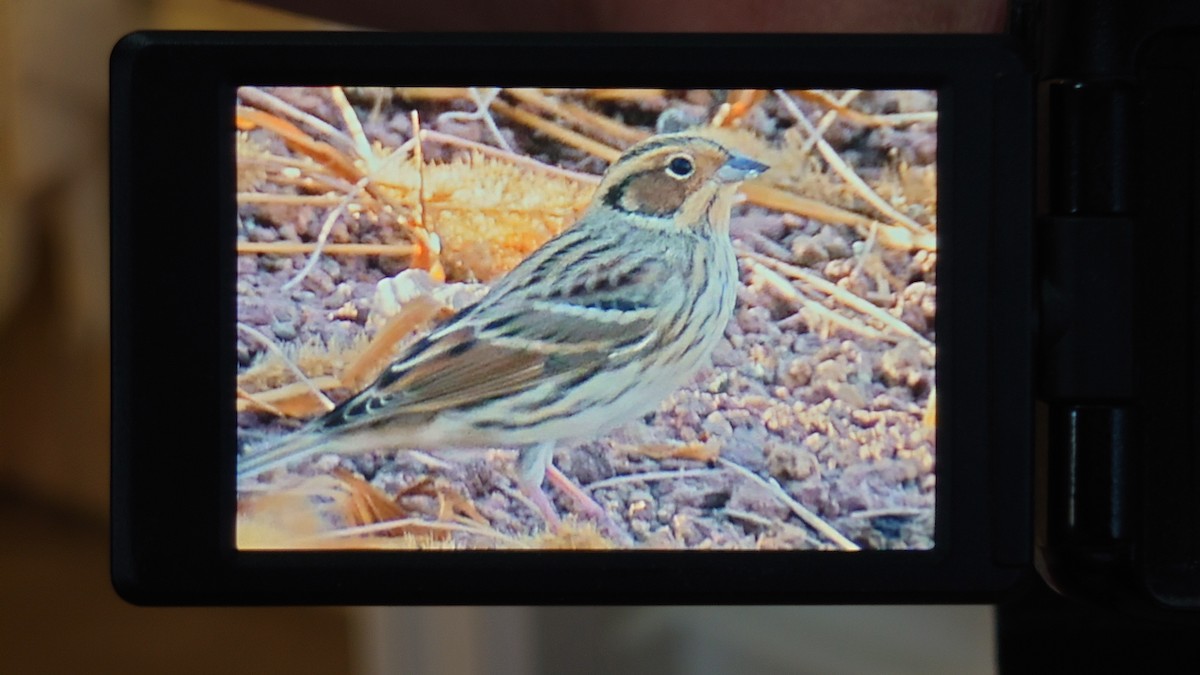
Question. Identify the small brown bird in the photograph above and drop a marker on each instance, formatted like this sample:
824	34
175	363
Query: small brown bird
592	330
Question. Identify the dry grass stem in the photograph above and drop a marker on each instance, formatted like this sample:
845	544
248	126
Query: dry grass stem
296	399
865	119
277	162
694	450
367	503
419	159
616	94
846	297
428	460
900	511
768	245
525	500
293	168
761	521
419	523
274	348
650	476
483	103
785	288
328	157
902	239
302	248
357	135
868	244
738	104
289	200
557	132
411	316
578	116
500	153
253	400
326	228
848	174
782	200
429	248
929	416
323	152
827	120
270	103
316	181
767	523
811	519
430	93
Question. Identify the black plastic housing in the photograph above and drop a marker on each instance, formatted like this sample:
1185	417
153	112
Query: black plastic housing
1118	511
173	319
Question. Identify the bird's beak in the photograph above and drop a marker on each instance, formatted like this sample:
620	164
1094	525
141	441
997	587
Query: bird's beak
739	168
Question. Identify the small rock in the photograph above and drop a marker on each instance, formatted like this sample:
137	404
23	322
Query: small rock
284	329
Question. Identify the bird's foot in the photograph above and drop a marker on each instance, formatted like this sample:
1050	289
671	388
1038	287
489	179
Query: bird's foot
589	507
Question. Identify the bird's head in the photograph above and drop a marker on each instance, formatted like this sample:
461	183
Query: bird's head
680	180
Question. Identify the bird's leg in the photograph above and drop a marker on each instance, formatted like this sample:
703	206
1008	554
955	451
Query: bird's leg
535	463
532	461
568	487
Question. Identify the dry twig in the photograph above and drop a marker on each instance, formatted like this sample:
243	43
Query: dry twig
301	248
326	228
846	297
848	174
270	344
813	520
650	476
866	119
787	290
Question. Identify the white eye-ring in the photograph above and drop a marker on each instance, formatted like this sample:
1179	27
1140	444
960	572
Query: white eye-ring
681	167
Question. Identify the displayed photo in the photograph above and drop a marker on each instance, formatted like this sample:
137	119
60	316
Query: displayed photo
492	318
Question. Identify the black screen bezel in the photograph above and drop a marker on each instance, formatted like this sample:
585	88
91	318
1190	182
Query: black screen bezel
173	314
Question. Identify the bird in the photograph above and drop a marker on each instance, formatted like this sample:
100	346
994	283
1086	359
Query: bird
590	331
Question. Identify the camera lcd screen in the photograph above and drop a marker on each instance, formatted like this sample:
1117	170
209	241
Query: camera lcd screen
518	318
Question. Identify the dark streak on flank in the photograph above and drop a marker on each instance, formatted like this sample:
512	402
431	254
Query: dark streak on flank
510	425
616	304
571	245
595	252
461	348
566	387
628	342
496	324
479	402
621	393
679	353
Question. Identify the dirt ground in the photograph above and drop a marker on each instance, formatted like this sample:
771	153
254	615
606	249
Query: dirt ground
812	429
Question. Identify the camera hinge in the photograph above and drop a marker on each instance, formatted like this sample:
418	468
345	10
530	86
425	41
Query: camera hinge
1086	273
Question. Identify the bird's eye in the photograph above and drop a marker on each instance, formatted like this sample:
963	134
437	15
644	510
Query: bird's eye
680	167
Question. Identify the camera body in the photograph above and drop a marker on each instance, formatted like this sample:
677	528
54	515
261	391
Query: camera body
1047	366
1116	442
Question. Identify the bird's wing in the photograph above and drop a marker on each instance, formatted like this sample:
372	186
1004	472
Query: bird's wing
511	344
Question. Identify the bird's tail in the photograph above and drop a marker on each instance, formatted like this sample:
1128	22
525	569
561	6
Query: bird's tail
301	444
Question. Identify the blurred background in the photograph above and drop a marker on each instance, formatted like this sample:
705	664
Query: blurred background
59	613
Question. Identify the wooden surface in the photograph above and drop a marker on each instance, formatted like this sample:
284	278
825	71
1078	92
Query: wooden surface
60	614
